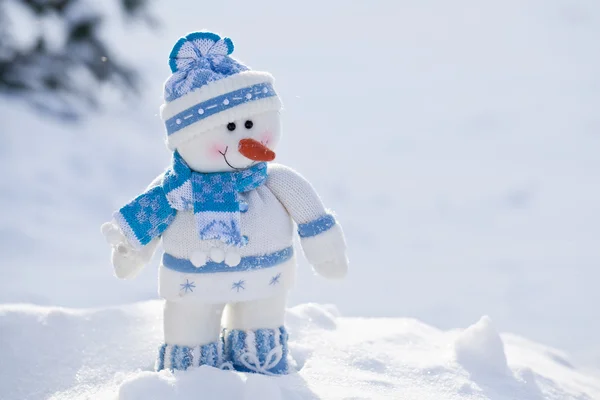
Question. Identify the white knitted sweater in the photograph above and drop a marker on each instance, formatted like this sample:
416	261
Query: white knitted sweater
268	225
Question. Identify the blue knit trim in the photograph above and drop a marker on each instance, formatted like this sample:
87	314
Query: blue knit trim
262	343
203	355
182	357
248	263
237	344
217	104
283	366
160	364
186	358
173	54
210	36
203	35
317	226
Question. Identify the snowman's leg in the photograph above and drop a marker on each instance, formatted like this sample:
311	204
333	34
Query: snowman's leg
255	337
192	336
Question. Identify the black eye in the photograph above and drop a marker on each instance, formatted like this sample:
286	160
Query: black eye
249	124
231	126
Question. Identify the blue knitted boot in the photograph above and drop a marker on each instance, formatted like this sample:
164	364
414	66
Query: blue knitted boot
183	357
264	350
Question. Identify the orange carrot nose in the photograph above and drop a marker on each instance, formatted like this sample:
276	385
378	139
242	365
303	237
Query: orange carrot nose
255	150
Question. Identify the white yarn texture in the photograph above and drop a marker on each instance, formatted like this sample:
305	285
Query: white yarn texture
269	225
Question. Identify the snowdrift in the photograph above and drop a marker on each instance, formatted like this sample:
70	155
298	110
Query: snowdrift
481	121
108	353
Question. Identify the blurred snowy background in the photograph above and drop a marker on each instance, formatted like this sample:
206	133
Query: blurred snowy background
458	142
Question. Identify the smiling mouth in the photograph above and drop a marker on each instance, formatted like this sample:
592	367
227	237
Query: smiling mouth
224	154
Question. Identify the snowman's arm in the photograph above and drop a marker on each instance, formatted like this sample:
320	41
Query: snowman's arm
128	259
321	235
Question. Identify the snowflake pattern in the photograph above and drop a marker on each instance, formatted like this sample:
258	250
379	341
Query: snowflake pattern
239	285
275	279
141	216
219	198
187	203
188	286
155	205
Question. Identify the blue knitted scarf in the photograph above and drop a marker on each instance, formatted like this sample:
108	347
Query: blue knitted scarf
214	198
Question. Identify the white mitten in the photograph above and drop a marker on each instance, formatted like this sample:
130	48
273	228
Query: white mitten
126	260
326	252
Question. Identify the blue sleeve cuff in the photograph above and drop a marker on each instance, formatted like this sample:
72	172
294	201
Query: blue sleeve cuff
317	226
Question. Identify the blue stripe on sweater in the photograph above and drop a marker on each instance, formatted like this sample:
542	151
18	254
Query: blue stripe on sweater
217	104
248	263
317	226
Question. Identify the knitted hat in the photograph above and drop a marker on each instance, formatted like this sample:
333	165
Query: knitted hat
209	88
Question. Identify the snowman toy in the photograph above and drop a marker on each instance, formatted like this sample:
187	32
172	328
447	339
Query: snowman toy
226	218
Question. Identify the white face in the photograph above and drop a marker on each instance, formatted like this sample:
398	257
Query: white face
217	150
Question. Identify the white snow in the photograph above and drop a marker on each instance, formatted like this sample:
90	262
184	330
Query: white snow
457	142
108	353
480	348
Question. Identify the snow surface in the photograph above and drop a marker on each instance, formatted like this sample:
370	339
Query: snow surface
108	353
457	141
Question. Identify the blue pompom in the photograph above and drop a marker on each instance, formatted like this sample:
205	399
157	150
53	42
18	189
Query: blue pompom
197	59
198	45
